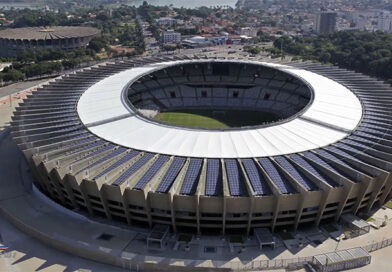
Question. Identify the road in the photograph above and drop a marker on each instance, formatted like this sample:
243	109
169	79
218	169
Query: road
20	86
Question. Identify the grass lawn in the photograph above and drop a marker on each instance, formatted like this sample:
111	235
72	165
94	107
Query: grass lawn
189	120
236	239
366	217
215	119
285	235
330	228
388	204
185	238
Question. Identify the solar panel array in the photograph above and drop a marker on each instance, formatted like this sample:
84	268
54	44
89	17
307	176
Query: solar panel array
106	158
298	159
320	161
97	152
171	175
146	178
342	153
256	178
235	178
331	157
133	168
345	154
276	176
297	175
127	157
192	177
214	184
360	146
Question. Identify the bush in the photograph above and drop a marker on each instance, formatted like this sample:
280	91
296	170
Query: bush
13	75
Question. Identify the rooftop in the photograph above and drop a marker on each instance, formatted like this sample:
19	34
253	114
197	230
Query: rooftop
52	32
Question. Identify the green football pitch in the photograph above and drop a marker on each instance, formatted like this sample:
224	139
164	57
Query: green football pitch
216	119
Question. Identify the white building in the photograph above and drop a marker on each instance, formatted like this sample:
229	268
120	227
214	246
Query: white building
248	31
167	21
171	36
384	22
197	41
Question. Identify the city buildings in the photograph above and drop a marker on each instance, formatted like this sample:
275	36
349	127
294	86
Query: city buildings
166	21
326	22
170	36
384	22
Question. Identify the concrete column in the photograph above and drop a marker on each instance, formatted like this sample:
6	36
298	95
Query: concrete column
83	191
103	196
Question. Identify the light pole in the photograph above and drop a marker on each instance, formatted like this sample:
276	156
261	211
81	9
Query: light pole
281	49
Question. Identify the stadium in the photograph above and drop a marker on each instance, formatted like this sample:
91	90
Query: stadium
15	40
210	145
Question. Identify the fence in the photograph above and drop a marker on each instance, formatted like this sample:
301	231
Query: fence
294	263
378	245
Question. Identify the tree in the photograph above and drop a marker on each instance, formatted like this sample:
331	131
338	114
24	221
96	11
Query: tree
97	44
366	52
13	75
168	47
254	50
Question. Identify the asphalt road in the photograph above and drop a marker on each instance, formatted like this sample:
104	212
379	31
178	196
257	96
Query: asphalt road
20	86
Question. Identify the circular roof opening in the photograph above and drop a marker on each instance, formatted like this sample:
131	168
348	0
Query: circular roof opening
218	95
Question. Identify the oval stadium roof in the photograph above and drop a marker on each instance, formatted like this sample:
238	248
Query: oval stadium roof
44	33
334	113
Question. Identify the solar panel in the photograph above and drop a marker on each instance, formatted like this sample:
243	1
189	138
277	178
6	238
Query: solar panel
192	177
214	178
363	134
345	154
171	175
318	160
96	152
127	157
298	176
359	145
360	139
298	159
235	178
371	131
106	158
382	129
259	184
331	157
276	176
146	178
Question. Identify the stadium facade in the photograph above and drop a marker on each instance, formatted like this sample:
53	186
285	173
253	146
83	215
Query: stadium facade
15	40
92	147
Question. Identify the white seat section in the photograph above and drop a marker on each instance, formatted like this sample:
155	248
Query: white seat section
334	112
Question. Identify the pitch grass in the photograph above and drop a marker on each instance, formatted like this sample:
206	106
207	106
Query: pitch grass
216	119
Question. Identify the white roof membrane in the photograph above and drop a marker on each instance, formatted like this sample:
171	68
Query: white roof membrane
334	113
